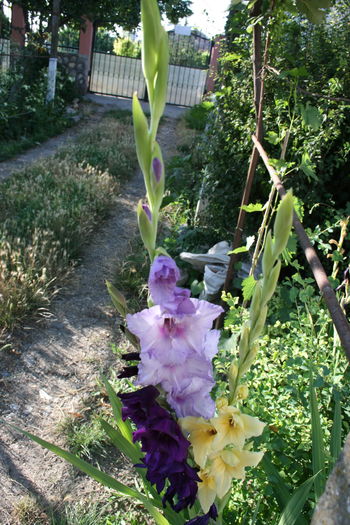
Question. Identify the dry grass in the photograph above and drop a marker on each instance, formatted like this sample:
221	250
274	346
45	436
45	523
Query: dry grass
48	211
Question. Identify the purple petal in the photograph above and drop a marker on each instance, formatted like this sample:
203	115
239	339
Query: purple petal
162	279
157	168
146	209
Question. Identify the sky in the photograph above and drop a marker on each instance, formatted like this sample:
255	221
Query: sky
209	16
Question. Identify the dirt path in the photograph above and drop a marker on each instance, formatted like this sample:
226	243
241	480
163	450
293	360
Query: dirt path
89	115
59	362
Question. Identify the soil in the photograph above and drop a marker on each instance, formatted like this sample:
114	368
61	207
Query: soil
57	361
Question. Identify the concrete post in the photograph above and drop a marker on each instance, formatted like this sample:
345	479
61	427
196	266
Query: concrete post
213	66
18	26
85	47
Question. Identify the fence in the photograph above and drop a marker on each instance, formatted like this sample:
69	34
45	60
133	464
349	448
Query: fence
121	75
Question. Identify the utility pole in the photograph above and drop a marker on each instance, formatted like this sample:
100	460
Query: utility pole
51	80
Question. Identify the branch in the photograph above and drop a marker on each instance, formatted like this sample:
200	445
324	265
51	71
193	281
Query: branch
337	315
319	95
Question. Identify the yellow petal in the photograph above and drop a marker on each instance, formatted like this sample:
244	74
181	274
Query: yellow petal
201	437
222	473
206	490
230	429
245	459
252	426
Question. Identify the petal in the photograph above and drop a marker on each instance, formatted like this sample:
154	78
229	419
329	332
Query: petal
206	492
252	426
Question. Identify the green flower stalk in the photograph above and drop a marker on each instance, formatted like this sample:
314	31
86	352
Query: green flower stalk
155	59
264	289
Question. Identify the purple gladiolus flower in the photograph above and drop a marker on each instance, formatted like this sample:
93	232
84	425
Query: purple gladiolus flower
162	284
176	352
157	168
162	279
204	520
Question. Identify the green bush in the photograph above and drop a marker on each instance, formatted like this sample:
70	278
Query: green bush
279	394
318	151
127	48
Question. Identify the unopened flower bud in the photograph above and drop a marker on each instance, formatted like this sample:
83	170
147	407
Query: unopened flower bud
283	224
221	403
145	226
242	392
157	168
147	211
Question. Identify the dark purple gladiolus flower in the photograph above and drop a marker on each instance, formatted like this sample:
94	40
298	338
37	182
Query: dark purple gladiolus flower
157	168
147	211
138	405
165	447
204	520
131	356
183	484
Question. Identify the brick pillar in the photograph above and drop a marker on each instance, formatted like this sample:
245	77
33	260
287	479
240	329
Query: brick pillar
213	67
85	51
18	27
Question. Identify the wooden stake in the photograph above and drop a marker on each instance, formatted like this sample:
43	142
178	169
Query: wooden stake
336	313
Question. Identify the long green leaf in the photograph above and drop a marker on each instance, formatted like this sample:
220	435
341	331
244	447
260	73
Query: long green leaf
131	450
124	426
280	488
296	503
318	453
99	476
335	444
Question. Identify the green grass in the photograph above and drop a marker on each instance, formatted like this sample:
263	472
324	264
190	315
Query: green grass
48	211
11	148
116	511
131	277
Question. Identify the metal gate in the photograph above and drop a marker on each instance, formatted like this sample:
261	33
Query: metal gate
121	74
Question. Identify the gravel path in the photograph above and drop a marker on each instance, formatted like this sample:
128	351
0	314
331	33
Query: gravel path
58	362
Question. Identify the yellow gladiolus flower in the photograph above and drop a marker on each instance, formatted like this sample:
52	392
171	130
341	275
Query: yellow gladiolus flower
228	464
206	489
233	428
201	435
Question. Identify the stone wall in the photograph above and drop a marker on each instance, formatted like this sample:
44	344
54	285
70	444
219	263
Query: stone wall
77	67
334	505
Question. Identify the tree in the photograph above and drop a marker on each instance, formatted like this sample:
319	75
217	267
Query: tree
106	13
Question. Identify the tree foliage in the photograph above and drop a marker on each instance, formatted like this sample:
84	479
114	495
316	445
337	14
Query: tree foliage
106	13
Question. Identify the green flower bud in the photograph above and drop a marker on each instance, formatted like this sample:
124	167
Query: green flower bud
268	258
157	177
255	305
146	228
161	82
250	357
244	341
233	377
242	392
258	326
150	19
142	138
118	299
270	282
283	224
